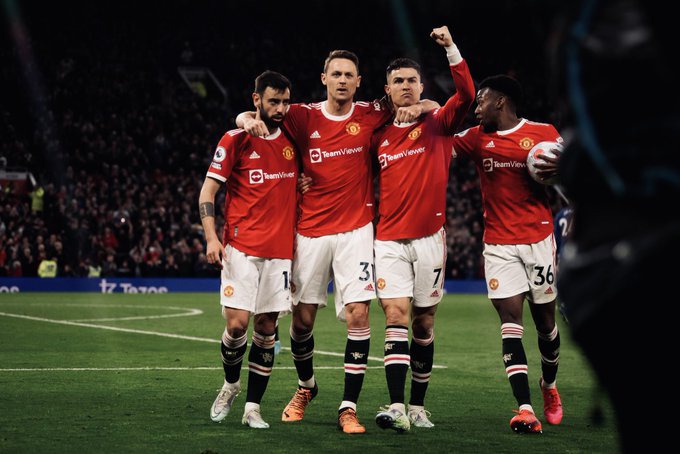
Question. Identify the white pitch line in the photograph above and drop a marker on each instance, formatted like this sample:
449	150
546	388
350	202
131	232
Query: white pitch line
143	317
170	335
111	328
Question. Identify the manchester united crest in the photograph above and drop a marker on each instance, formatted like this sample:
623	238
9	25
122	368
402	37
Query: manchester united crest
380	283
228	290
353	128
493	283
288	153
526	143
413	135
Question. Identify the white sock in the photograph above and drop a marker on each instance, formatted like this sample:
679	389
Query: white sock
250	406
548	385
307	383
401	408
526	407
348	404
236	384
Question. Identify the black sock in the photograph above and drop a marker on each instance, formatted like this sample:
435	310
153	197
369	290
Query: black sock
549	346
302	350
233	351
422	357
356	358
260	363
515	361
396	361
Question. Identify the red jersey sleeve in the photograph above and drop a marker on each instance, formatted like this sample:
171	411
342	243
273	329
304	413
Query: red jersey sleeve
226	155
464	142
451	115
295	123
554	134
380	113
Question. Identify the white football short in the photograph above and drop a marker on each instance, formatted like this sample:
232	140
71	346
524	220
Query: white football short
514	269
412	268
346	258
255	284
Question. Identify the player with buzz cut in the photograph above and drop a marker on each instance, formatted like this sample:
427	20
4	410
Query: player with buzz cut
260	210
519	245
410	245
334	232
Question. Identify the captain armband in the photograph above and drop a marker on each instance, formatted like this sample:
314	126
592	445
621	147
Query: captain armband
206	209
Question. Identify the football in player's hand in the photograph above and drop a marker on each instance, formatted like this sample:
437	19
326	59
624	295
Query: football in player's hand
536	156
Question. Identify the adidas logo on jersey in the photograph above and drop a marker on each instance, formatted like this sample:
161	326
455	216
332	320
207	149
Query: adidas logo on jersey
549	291
254	155
315	135
490	144
435	294
369	287
385	143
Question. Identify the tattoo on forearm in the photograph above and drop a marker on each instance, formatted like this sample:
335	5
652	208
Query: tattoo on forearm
206	209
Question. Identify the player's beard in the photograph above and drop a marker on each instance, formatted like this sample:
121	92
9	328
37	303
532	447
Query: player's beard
271	123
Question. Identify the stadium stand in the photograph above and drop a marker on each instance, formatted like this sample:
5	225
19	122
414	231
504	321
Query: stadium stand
97	107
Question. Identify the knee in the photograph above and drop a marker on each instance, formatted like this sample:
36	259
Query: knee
236	330
423	327
395	315
265	323
302	326
357	315
545	327
510	317
302	322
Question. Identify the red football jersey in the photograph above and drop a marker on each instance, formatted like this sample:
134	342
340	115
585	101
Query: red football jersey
414	165
335	154
260	207
516	208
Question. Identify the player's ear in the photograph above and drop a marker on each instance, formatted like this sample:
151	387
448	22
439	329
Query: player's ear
358	81
256	100
323	78
387	89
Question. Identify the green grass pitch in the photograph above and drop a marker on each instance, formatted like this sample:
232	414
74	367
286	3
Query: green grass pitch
138	373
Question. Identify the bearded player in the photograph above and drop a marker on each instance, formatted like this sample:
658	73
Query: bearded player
257	249
334	240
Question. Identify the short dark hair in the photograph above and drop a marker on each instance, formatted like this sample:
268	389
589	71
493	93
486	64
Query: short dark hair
272	79
341	54
506	85
399	63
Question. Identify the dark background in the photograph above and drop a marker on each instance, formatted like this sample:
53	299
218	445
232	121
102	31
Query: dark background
92	104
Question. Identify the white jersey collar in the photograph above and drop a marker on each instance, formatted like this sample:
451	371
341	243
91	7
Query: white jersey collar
273	136
511	130
404	125
330	116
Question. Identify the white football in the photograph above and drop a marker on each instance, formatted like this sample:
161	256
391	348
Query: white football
540	149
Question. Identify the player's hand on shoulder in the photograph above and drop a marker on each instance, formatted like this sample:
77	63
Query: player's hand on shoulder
255	126
304	183
442	36
408	114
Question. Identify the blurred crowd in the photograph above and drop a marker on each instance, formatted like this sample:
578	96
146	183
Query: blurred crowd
119	144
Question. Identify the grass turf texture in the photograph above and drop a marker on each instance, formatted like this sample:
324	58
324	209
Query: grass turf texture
158	410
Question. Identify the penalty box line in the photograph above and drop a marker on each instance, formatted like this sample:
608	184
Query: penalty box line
159	334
